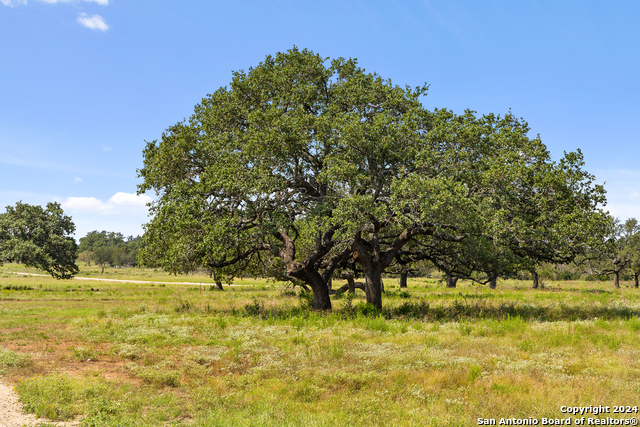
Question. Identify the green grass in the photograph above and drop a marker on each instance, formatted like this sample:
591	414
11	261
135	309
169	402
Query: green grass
136	354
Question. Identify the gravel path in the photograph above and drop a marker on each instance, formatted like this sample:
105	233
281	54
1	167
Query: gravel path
11	414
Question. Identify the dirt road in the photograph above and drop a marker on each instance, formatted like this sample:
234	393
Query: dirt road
126	280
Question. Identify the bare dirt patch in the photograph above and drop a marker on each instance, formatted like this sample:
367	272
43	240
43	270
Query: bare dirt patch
12	414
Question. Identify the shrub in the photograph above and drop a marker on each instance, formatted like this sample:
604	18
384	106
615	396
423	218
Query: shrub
83	354
157	375
254	308
404	294
11	359
130	351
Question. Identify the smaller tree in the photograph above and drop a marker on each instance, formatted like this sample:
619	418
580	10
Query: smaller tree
86	257
633	229
104	255
39	238
617	252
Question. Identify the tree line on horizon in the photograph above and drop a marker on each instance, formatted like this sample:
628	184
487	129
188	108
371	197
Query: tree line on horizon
109	248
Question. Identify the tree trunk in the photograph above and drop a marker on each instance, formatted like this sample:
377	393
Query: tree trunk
373	283
217	280
330	284
534	275
306	272
616	279
351	285
635	276
102	272
451	281
321	299
373	261
403	276
493	283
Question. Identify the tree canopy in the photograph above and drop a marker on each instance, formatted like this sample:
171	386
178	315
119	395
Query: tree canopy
106	247
319	163
39	238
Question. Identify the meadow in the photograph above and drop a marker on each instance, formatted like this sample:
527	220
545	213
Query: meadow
170	354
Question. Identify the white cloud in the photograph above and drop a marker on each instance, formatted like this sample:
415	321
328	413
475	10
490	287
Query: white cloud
78	179
88	204
113	206
95	22
128	199
14	3
634	194
106	148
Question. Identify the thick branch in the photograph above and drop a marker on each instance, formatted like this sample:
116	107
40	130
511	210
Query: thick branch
244	255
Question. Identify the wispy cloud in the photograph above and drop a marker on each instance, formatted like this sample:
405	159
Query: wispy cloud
106	148
111	207
14	3
76	179
10	197
36	163
94	22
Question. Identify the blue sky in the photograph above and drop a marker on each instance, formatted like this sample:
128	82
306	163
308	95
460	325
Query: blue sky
83	83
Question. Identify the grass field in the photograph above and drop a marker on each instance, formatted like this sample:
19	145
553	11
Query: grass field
132	354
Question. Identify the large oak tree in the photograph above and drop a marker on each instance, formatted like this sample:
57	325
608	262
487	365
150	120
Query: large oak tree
319	163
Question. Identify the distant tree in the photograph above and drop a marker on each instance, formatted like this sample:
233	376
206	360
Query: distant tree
405	267
95	239
131	248
104	255
86	257
634	249
617	253
118	251
40	238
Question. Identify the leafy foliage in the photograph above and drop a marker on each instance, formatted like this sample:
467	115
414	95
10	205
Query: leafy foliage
303	166
39	238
